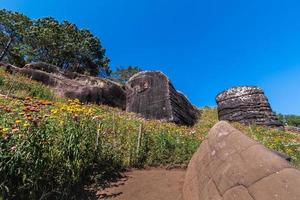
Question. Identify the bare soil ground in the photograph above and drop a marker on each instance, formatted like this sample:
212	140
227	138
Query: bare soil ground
146	184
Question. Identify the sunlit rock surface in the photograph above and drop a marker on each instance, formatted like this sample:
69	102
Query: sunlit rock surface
152	95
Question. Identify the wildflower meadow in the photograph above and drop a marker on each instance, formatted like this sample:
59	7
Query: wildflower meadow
50	145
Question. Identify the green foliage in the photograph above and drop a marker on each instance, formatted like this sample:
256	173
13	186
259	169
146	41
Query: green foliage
47	40
13	29
48	149
290	120
122	75
45	158
67	47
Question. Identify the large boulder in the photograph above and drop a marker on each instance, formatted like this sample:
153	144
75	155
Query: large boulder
231	166
87	89
152	95
42	66
246	104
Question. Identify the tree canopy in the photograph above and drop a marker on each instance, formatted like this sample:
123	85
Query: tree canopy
63	44
122	75
13	29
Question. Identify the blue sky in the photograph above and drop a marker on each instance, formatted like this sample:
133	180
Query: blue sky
203	46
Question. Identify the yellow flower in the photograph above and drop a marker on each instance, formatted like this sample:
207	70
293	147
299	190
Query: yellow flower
289	151
54	111
76	101
26	125
5	130
18	121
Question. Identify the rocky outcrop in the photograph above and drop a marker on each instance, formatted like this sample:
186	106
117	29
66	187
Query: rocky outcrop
87	89
42	66
292	129
246	104
230	166
152	95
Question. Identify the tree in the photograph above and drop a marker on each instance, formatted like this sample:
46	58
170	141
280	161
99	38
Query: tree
62	44
122	75
66	46
13	29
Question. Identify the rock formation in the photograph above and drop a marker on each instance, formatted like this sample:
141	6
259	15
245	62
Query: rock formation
231	166
246	104
292	129
152	95
87	89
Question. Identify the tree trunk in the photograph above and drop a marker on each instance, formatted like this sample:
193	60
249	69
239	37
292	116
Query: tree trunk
6	49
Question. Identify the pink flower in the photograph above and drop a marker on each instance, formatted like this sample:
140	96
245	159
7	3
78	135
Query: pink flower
13	148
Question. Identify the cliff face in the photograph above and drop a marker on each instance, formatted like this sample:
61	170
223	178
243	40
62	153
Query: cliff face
248	105
73	85
152	95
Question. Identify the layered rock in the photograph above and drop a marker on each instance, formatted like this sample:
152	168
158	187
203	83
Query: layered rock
87	89
152	95
246	104
231	166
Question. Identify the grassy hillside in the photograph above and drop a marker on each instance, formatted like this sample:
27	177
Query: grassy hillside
49	145
20	86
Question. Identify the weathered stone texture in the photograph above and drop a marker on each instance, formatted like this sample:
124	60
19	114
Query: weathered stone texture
230	166
152	95
87	89
246	104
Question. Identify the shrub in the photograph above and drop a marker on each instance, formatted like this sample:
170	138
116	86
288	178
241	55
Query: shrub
290	120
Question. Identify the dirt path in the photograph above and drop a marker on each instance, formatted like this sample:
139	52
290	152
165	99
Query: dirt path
152	184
